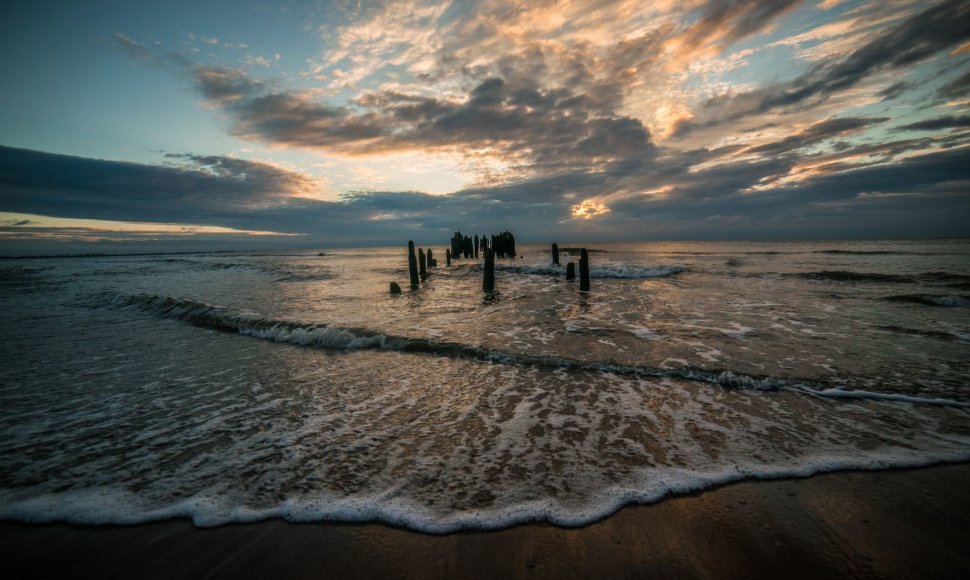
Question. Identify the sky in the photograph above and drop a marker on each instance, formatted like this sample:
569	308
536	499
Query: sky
178	126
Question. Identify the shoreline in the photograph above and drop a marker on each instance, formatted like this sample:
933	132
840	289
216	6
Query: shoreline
894	523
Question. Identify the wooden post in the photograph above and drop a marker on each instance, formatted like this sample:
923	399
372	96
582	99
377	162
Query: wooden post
583	270
555	254
395	289
488	279
412	265
430	259
448	257
423	265
476	246
570	271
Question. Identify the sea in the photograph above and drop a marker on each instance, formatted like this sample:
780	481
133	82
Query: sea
243	386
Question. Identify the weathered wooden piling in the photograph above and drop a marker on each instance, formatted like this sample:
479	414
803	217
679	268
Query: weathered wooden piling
583	270
555	254
476	246
412	265
488	278
395	289
431	263
423	264
570	271
447	257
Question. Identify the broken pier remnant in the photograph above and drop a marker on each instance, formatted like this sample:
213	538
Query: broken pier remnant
412	265
488	276
583	270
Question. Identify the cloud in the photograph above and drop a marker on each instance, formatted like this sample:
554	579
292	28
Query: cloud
189	187
225	85
955	89
723	22
134	49
939	123
544	129
918	38
817	133
615	204
894	90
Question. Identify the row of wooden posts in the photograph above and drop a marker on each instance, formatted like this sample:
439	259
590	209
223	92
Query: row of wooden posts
419	264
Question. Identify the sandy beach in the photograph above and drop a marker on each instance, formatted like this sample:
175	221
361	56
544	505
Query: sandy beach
889	524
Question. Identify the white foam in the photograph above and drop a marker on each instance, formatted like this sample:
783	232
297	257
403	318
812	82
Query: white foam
840	393
953	301
645	333
119	507
324	336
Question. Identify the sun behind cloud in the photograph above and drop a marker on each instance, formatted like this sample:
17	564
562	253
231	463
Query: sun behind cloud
589	209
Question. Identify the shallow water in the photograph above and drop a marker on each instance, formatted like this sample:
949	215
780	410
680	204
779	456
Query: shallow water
236	387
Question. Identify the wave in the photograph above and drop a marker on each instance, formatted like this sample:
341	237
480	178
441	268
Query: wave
948	279
18	274
225	319
619	271
280	272
847	276
24	279
937	334
840	393
945	300
872	253
328	336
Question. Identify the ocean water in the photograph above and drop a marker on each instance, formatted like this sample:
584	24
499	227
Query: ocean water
238	387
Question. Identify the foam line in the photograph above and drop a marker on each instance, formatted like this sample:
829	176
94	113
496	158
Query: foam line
840	393
117	507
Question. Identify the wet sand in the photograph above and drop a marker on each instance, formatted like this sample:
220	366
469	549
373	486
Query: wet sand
888	524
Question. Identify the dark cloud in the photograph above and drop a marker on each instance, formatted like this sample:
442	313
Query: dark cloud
894	90
548	129
938	124
937	28
190	188
724	201
817	133
929	190
225	85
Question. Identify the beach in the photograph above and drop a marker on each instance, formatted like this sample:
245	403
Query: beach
886	524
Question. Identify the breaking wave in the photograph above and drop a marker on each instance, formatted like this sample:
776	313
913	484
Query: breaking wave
932	299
